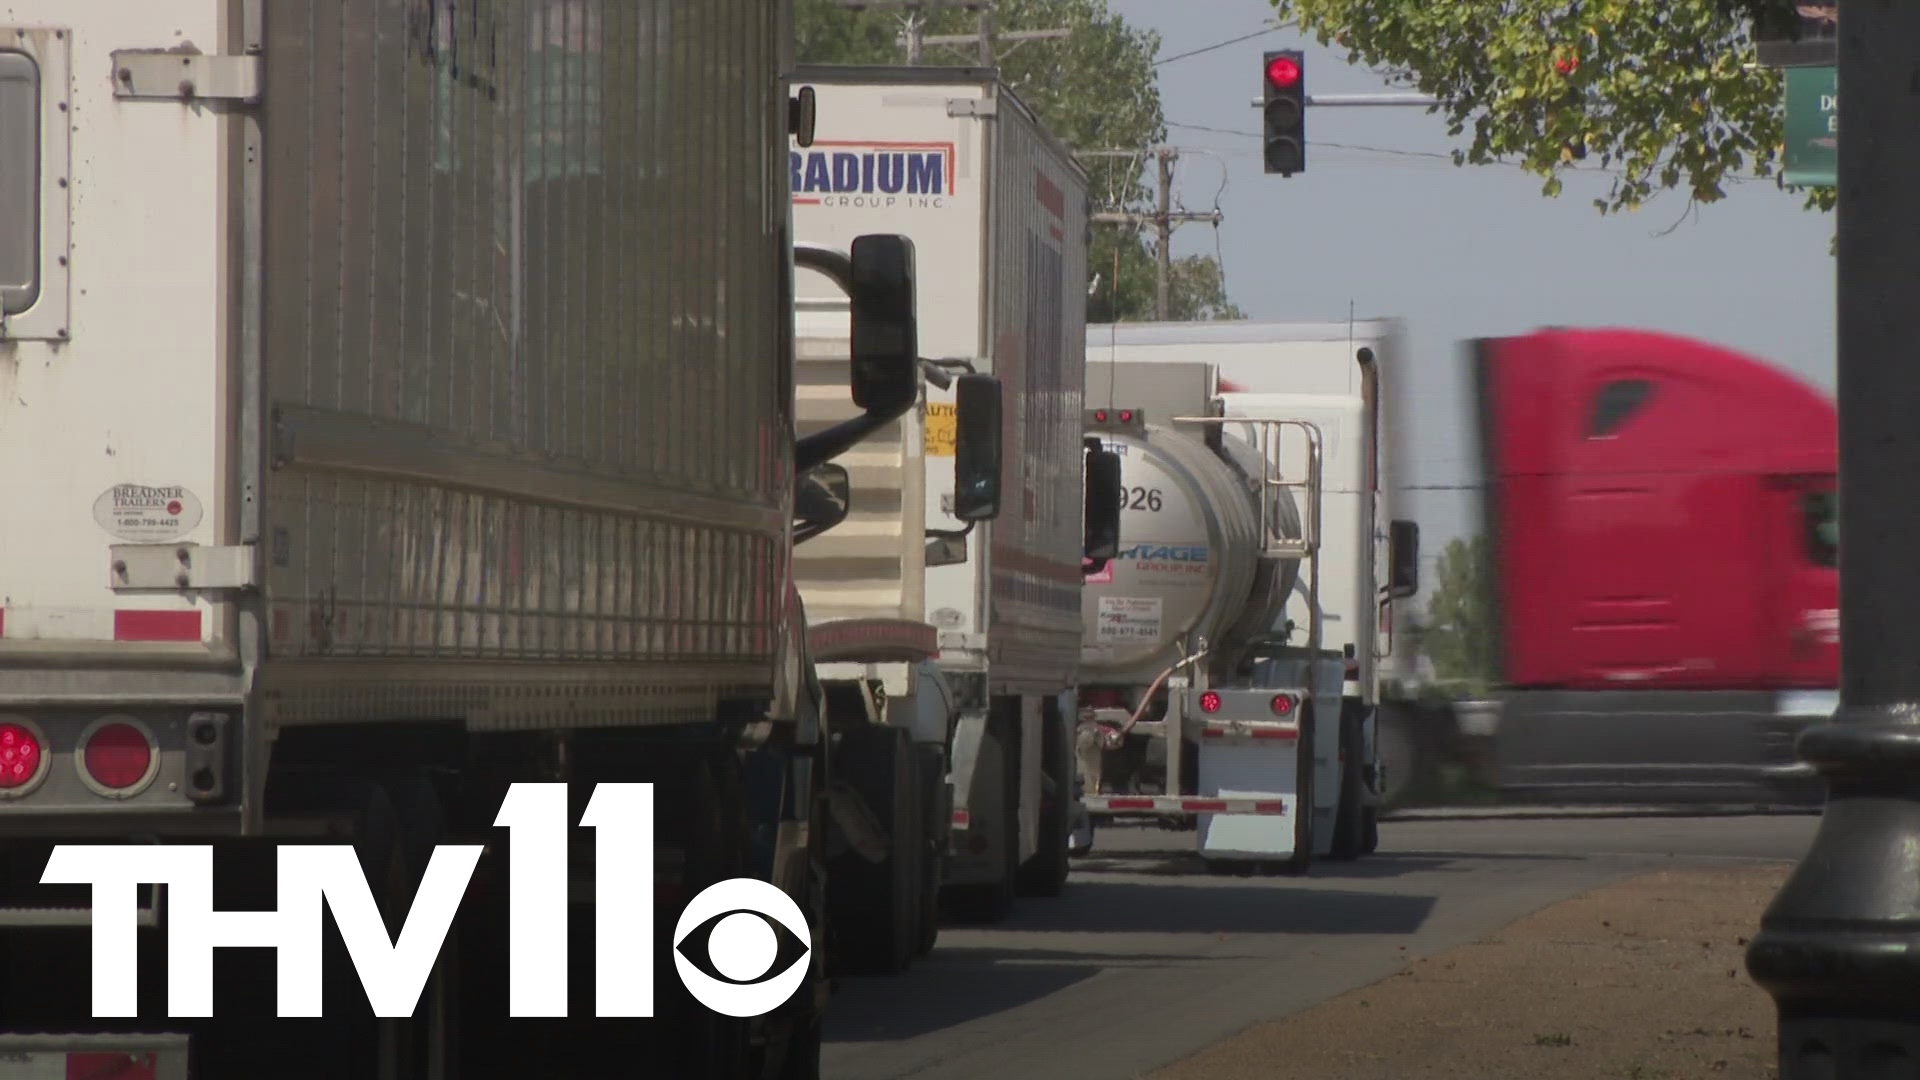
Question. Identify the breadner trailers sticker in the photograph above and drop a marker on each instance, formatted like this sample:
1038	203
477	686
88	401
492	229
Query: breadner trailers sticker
1129	619
143	514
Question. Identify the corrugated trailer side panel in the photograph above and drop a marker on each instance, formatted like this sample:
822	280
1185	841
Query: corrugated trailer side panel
1037	334
523	348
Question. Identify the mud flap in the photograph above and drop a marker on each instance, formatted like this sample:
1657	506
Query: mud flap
964	865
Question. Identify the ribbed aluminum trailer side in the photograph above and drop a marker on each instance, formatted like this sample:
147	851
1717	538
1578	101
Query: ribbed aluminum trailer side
396	401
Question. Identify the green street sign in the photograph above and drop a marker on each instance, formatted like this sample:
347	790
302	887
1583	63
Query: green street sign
1813	126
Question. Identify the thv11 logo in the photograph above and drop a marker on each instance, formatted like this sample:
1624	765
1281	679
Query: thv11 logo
743	941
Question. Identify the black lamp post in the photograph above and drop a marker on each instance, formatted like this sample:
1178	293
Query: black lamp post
1839	949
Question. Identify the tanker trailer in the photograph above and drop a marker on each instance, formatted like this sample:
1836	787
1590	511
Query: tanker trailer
1204	706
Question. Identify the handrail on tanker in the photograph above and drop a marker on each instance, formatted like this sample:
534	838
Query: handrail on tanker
1272	476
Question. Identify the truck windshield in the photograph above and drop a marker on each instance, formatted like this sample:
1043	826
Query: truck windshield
1820	524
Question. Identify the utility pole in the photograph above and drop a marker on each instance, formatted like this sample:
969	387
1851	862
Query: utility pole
1164	218
985	40
1165	254
1838	948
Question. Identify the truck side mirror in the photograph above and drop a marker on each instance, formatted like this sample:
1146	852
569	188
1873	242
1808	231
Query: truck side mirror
1102	539
886	344
1403	555
821	500
976	448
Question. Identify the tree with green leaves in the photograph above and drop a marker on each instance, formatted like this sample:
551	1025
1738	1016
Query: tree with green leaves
1095	90
1665	94
1458	633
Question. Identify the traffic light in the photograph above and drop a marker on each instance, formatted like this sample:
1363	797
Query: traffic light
1284	77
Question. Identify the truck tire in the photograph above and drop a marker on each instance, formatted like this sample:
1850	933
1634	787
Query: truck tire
1349	829
800	1051
708	1043
875	906
939	822
1045	875
394	829
437	1028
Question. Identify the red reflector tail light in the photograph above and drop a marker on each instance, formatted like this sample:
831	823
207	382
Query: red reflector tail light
1282	704
1209	702
22	756
117	757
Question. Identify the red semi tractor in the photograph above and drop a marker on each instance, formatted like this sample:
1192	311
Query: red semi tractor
1663	526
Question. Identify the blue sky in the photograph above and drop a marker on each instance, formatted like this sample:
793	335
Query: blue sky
1461	252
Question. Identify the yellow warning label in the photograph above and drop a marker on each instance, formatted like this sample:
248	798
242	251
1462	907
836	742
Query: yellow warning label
941	424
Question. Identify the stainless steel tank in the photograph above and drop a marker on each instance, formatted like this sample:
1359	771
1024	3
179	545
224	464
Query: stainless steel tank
1190	563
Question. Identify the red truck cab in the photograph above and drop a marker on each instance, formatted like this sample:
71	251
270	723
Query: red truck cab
1662	519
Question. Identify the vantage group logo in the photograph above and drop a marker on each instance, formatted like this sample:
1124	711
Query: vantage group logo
742	918
872	175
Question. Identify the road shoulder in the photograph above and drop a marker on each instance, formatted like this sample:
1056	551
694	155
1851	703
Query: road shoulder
1642	979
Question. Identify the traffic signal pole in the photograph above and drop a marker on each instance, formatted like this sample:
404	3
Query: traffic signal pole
1386	99
1839	948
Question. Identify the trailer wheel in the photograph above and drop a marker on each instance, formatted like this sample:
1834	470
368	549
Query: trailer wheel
394	828
1349	824
712	1045
800	1053
875	906
938	820
435	1037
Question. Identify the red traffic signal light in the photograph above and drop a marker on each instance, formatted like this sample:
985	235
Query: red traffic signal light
1285	111
1283	72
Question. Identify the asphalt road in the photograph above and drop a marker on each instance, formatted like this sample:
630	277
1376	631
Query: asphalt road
1146	959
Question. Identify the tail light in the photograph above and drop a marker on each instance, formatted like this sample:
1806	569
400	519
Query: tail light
23	758
1209	702
118	757
1283	704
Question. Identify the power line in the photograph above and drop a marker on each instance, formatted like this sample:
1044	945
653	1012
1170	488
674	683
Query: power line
1216	45
1588	170
985	39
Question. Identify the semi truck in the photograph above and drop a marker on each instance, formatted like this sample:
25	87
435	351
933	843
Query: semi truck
1232	649
397	403
950	598
1662	530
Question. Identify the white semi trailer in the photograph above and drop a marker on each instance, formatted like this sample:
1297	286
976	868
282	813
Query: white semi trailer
949	601
1256	556
396	404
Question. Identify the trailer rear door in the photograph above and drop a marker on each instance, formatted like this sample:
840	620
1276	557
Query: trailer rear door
119	330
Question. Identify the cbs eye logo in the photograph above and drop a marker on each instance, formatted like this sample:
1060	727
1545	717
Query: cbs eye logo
742	947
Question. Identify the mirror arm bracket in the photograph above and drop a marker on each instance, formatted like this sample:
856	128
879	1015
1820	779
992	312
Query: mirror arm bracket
950	534
836	265
823	446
